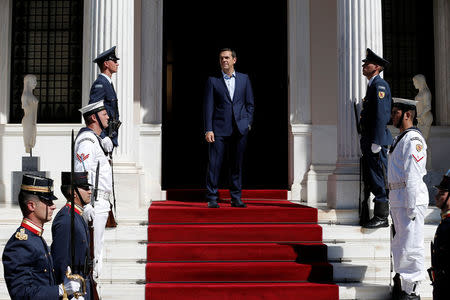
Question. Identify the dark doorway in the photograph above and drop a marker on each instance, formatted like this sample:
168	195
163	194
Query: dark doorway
194	31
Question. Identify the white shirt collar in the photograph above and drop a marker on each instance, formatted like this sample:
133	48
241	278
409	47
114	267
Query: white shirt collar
107	77
371	80
225	76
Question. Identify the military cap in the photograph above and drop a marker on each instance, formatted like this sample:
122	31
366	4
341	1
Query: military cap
92	108
404	104
445	183
371	57
39	186
109	54
79	179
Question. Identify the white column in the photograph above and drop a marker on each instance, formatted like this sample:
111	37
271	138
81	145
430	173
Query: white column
111	23
441	9
299	96
359	27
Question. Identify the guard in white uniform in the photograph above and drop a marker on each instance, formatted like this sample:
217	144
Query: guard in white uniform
408	196
89	150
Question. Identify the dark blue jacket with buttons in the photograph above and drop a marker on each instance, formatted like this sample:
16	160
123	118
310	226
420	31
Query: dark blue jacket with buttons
376	113
28	268
101	89
61	244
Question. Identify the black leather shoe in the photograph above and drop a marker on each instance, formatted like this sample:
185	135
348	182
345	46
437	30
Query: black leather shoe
213	204
238	203
405	296
377	222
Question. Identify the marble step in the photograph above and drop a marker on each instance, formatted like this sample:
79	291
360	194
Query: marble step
376	291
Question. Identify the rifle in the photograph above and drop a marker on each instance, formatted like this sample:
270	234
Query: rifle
72	225
91	234
363	206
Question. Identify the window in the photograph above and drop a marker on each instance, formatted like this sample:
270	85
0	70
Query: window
408	43
47	42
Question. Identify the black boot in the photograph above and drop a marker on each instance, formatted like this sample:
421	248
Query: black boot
380	218
405	296
397	288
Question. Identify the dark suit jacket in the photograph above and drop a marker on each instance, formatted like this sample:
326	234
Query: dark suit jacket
220	110
376	113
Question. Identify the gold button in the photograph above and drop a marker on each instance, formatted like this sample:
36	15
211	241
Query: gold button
45	270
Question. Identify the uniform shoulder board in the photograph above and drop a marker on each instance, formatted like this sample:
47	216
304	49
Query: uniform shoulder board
21	235
86	139
99	86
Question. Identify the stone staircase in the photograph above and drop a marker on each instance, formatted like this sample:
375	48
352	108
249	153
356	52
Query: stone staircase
360	257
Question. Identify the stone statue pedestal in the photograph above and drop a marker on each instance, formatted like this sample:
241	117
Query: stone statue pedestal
30	165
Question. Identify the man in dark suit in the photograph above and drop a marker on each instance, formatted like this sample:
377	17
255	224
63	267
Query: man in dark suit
103	89
375	139
228	115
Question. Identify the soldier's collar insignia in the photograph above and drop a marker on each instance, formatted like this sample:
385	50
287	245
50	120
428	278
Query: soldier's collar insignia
78	209
36	229
21	235
381	94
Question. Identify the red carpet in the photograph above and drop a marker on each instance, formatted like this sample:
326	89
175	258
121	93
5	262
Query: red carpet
270	250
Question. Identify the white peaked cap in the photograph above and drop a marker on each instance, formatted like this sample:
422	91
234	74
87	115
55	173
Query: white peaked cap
92	108
404	101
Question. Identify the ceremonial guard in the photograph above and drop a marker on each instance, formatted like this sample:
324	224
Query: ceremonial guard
408	195
440	247
103	89
88	153
375	139
28	266
61	231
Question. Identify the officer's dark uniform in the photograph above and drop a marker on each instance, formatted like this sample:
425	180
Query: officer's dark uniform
101	89
28	265
440	252
375	115
61	229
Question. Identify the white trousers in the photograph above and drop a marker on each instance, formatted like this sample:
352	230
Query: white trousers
102	208
408	247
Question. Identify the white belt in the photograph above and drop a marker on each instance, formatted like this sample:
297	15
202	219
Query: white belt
103	195
397	185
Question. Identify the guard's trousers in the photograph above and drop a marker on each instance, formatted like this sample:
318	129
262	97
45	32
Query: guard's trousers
408	246
102	208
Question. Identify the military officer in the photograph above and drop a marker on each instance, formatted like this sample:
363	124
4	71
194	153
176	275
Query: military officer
375	139
408	196
103	89
28	266
61	231
440	248
88	152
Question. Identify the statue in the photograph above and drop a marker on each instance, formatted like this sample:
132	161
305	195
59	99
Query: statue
29	106
424	115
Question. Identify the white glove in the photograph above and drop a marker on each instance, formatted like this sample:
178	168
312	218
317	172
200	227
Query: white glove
107	144
411	213
70	286
375	148
88	213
